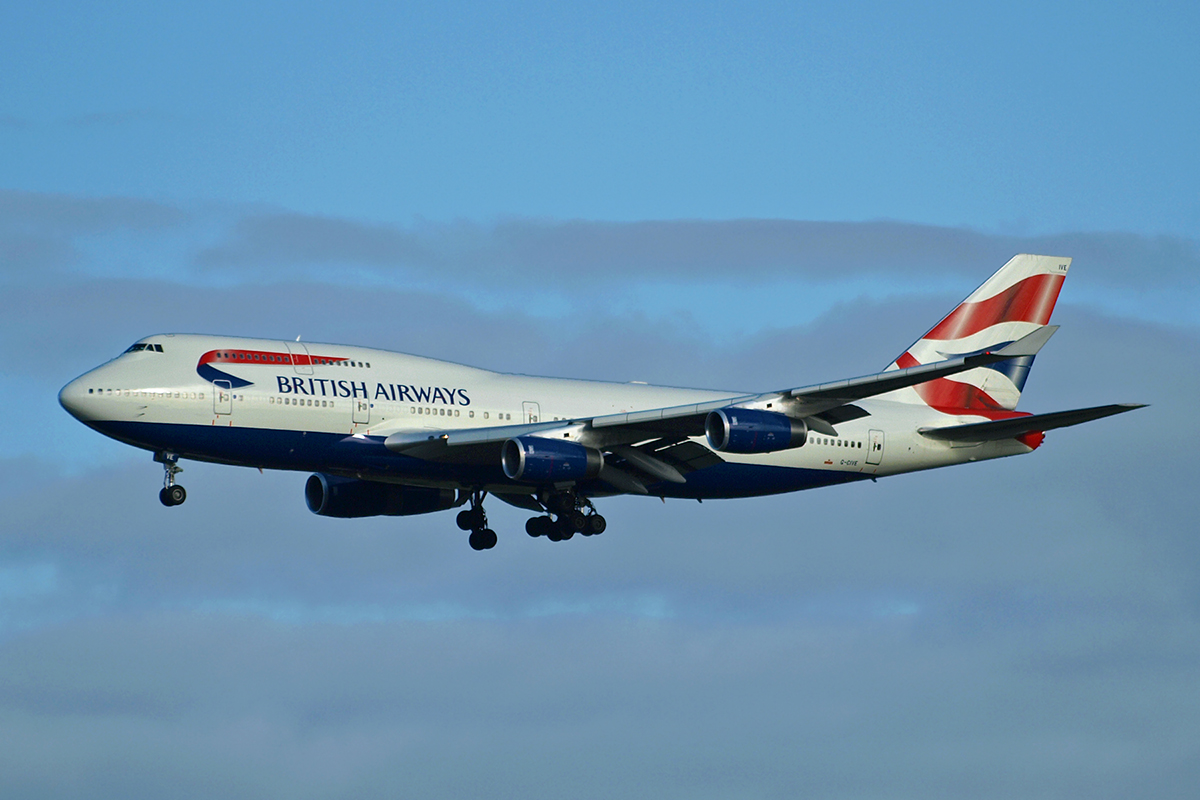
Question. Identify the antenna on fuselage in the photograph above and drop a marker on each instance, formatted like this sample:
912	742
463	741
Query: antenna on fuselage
297	338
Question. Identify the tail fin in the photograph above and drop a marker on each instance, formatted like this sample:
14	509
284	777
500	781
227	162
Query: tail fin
1016	300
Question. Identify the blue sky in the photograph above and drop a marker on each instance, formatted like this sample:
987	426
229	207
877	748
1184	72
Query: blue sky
739	196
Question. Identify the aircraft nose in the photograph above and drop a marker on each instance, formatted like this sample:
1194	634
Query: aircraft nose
74	398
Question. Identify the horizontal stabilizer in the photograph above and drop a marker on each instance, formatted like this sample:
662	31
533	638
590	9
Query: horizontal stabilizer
1016	426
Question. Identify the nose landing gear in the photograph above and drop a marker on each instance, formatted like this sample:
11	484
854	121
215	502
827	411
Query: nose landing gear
172	494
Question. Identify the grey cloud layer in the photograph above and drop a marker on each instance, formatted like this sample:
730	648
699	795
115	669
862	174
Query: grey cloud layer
686	249
50	230
41	234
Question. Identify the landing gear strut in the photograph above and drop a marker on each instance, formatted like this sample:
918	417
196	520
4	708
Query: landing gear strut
569	518
172	494
474	519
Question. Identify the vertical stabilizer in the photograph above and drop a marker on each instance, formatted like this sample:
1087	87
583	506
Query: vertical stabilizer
1015	301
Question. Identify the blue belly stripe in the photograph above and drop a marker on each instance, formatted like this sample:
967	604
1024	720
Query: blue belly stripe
309	451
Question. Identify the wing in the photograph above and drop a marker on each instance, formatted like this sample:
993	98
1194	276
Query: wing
660	434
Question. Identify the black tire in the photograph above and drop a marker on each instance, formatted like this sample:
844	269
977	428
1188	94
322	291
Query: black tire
163	498
536	526
465	520
596	525
175	495
578	521
565	529
489	538
477	540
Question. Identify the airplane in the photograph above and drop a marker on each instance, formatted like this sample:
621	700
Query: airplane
386	433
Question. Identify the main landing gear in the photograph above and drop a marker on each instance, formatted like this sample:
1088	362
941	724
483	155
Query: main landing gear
172	494
474	519
568	514
569	518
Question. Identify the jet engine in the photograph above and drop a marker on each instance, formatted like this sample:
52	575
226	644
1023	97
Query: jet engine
335	496
744	430
534	459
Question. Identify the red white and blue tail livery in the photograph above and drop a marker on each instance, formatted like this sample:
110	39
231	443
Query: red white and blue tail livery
387	433
1015	301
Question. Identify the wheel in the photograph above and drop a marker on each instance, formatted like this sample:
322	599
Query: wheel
578	521
536	526
564	528
596	525
554	532
465	519
477	540
489	538
172	496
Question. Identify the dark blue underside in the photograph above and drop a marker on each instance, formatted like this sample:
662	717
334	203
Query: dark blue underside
306	451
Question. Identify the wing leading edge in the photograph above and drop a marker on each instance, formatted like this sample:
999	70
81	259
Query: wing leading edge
680	422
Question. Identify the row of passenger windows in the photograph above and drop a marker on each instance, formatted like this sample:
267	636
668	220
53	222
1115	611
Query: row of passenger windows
836	442
300	401
279	359
331	363
419	410
453	412
140	393
255	357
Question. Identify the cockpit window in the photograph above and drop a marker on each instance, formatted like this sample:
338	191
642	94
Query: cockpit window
140	346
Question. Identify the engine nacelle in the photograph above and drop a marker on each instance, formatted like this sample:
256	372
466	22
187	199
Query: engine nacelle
534	459
744	430
335	496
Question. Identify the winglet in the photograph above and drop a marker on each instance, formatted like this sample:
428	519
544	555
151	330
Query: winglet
1029	344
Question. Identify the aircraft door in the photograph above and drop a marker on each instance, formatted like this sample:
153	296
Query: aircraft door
531	411
362	411
875	445
300	358
222	397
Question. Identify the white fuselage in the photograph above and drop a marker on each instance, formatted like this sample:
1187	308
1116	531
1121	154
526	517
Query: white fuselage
286	405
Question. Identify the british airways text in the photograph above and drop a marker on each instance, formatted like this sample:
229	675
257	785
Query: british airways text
396	392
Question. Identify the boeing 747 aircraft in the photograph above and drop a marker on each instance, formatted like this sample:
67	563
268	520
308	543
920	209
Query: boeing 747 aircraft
391	434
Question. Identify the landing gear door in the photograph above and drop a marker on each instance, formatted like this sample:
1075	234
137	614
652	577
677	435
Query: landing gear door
222	397
362	411
300	358
875	443
531	411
